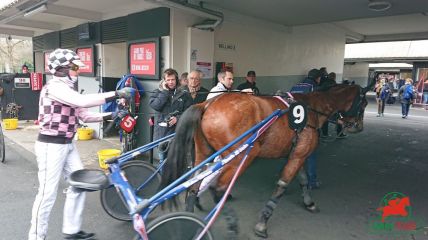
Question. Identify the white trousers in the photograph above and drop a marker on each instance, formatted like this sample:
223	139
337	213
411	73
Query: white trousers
54	160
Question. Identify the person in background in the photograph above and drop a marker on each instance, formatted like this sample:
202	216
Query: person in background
250	83
310	84
169	102
197	92
346	82
225	83
385	93
25	69
400	83
378	88
406	94
324	75
425	91
60	109
183	79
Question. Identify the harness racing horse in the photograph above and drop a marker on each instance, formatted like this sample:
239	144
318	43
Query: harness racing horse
216	122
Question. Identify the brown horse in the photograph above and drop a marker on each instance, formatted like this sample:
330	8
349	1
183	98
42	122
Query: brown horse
215	123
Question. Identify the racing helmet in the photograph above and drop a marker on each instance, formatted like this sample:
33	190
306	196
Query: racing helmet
62	58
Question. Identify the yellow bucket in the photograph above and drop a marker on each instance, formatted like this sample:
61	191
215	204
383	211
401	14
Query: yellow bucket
10	123
105	154
84	133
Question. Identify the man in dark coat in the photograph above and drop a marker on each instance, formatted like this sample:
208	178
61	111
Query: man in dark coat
250	83
169	102
310	84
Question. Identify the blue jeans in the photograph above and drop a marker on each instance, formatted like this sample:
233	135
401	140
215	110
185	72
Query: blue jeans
311	168
425	97
405	108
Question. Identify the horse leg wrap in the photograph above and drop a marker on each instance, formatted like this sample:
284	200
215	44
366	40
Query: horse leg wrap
280	189
261	229
190	201
232	223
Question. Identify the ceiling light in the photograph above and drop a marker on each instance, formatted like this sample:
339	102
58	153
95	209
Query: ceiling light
379	6
35	10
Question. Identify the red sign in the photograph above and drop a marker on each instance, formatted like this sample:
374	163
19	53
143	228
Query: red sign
143	58
128	123
36	81
46	62
87	57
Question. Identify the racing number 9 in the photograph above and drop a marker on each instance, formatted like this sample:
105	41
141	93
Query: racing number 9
297	117
299	114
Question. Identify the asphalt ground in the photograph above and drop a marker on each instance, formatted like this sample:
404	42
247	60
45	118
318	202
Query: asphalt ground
390	155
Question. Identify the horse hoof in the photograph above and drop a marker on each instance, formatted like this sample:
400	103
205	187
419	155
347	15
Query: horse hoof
261	230
312	208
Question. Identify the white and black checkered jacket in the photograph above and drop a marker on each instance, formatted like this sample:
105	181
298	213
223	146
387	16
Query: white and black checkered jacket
61	107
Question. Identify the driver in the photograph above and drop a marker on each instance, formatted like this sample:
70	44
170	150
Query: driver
60	109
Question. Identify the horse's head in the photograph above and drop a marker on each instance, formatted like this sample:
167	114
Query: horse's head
353	118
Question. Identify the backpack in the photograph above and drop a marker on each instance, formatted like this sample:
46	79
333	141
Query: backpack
408	92
302	88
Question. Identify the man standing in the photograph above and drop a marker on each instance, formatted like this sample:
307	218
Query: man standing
183	79
407	94
197	92
250	83
60	109
225	83
169	102
310	84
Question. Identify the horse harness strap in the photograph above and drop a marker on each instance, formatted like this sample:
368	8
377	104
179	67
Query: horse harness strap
318	120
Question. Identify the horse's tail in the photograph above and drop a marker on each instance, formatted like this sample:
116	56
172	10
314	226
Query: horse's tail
182	144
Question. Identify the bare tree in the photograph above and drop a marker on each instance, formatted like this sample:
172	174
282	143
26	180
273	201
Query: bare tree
13	53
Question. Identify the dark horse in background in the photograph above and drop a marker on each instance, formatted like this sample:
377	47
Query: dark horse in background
215	123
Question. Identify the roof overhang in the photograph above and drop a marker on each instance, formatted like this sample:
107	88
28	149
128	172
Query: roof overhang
402	21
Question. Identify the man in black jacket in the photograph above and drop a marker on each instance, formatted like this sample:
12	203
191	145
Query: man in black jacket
169	102
250	83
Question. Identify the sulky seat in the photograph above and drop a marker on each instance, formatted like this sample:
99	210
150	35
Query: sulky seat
89	179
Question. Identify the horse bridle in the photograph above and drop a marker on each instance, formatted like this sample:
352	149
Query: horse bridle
355	111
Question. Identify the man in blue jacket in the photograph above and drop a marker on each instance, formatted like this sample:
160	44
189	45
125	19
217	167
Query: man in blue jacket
310	84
